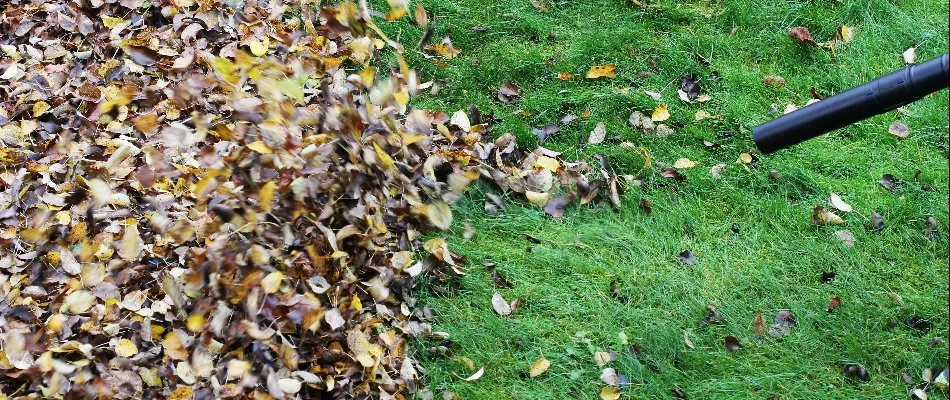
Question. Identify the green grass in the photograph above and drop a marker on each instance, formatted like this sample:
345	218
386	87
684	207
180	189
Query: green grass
773	262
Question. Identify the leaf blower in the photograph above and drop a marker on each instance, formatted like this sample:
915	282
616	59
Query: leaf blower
883	94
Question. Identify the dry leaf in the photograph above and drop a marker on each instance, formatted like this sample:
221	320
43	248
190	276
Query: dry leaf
539	367
598	134
899	129
602	71
609	393
125	348
684	163
660	113
687	341
910	55
499	304
774	80
476	375
801	35
824	217
839	204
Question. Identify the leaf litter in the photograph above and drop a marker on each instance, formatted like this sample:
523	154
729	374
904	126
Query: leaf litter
232	200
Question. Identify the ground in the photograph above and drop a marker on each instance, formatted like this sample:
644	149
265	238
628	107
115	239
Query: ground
752	236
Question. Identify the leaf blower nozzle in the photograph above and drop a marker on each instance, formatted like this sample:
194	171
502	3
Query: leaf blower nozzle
876	97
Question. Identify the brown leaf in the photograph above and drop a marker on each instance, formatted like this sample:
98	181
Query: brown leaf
598	134
555	207
877	222
801	35
834	304
732	344
774	81
509	93
758	324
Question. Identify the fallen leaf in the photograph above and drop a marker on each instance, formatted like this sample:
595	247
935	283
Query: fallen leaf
774	81
475	376
828	277
602	71
539	367
609	393
499	304
889	182
598	134
899	129
609	377
656	96
687	341
732	344
125	348
260	147
758	324
509	93
684	163
801	35
877	222
854	371
689	88
846	237
918	323
744	158
821	216
834	304
713	316
565	76
686	257
836	202
717	170
910	55
271	282
546	131
555	207
785	318
660	113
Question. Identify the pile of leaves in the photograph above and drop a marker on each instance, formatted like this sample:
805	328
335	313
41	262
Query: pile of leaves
218	199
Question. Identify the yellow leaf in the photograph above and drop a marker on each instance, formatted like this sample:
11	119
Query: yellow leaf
195	322
439	214
660	113
744	158
292	88
271	282
610	393
565	76
537	198
111	22
845	34
539	367
125	348
182	393
39	108
422	18
547	163
367	76
131	244
356	304
265	196
259	47
384	159
225	68
260	147
602	71
684	163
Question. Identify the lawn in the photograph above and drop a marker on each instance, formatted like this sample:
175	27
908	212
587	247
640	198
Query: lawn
755	245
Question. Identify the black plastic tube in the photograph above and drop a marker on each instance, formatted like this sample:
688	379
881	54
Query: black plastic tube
878	96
